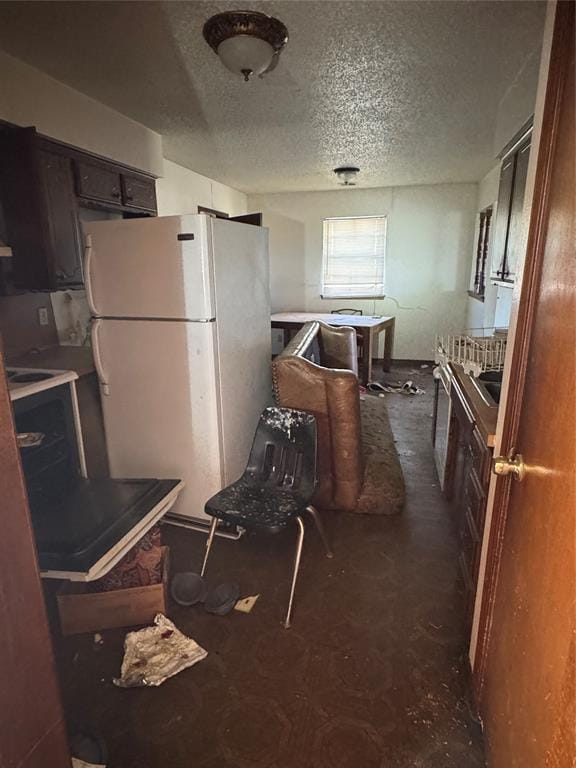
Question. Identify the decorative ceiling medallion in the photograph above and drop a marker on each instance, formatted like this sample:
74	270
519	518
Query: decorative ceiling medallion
247	42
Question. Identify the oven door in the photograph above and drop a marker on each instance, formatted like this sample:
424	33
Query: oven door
82	535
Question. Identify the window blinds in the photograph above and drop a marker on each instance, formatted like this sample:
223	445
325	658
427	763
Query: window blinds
353	259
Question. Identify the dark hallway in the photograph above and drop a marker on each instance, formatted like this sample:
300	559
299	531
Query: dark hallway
372	675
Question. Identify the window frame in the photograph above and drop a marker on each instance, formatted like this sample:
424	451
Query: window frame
380	295
484	232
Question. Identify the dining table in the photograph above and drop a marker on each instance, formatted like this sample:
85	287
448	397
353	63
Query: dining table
367	327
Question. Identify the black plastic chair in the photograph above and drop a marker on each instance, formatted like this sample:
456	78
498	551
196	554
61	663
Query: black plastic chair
277	484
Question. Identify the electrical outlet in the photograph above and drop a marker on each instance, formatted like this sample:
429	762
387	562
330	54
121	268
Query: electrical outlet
43	315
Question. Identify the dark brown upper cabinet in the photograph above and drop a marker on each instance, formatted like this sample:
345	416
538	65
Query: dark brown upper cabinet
508	239
139	192
65	238
98	183
43	186
39	205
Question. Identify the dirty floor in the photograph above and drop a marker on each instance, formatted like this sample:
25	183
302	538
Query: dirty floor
372	675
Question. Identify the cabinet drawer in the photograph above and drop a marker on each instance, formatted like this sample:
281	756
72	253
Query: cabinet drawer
96	182
139	193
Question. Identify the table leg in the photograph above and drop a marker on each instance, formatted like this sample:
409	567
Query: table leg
366	361
388	345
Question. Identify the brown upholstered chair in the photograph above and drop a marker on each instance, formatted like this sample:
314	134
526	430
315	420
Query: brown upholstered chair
318	372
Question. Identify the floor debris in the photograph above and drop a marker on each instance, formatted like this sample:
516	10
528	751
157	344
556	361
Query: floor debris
408	388
245	604
153	654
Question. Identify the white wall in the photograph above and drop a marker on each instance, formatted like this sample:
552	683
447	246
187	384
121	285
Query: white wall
517	105
429	241
28	97
181	191
287	265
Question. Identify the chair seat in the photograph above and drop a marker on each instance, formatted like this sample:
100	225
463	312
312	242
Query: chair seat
254	505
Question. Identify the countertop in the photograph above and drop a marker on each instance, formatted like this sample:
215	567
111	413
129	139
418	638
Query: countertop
77	359
485	415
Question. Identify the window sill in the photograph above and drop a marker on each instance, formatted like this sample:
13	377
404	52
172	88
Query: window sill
477	296
352	298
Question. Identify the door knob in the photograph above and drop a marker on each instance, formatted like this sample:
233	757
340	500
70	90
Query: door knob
513	465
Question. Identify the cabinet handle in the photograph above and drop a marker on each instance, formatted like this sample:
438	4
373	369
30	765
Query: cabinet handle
129	198
116	195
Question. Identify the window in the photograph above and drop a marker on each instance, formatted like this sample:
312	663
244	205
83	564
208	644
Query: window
481	254
354	252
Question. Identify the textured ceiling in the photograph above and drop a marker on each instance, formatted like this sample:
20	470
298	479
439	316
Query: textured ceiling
408	91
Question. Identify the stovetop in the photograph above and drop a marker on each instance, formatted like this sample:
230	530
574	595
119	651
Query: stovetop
23	382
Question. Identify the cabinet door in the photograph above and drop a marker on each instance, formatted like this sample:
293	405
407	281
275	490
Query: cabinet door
23	203
97	182
515	238
62	213
502	220
139	192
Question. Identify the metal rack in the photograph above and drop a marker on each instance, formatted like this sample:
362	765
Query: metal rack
476	350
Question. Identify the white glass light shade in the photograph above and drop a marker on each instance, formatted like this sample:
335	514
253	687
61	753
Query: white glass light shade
347	177
246	54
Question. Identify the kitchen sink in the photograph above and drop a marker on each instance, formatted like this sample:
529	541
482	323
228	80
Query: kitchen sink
492	376
489	385
493	388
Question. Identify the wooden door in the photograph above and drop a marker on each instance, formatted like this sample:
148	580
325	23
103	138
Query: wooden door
32	731
524	666
249	218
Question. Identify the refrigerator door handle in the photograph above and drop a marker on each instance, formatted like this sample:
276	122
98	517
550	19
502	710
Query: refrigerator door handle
101	373
88	275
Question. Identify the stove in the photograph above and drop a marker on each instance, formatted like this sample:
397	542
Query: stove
23	382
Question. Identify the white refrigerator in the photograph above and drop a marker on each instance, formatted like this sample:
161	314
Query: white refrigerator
181	344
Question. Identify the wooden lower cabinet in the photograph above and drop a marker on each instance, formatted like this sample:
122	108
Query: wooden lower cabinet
467	487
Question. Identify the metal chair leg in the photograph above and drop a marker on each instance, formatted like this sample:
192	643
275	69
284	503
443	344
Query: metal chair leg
296	569
209	544
320	528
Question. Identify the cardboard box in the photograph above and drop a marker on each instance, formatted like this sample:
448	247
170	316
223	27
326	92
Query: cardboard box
84	611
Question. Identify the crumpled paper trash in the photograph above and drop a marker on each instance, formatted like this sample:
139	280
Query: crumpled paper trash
153	654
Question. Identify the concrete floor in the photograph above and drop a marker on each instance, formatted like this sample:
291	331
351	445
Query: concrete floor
372	675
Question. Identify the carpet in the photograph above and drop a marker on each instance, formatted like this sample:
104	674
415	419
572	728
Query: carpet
383	492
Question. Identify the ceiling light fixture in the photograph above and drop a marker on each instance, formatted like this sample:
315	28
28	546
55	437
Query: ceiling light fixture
347	175
247	42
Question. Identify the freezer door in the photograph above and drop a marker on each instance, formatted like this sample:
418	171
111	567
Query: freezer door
242	291
149	268
160	406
